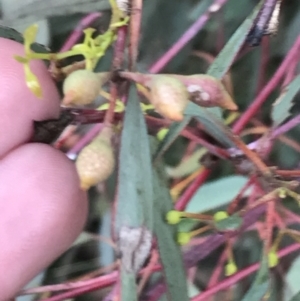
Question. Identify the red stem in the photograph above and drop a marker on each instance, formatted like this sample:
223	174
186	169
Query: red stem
86	139
190	191
77	32
186	37
217	151
230	281
272	84
218	270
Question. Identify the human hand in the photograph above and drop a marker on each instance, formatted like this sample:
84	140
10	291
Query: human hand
42	209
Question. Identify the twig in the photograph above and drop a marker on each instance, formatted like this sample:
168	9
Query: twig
228	282
87	138
269	226
190	191
116	64
135	27
272	84
217	151
77	32
285	127
233	205
201	251
213	280
288	173
92	285
186	37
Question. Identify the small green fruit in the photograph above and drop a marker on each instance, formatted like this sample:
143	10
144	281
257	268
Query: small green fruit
81	87
169	96
96	162
230	268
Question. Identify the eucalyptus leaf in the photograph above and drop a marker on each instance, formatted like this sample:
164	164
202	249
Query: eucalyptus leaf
188	166
170	255
292	281
260	286
226	57
217	193
231	223
296	297
212	124
281	107
134	221
173	133
129	287
135	192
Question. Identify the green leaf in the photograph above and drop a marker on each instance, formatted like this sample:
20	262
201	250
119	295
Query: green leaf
212	124
213	195
281	107
83	238
135	171
292	281
134	221
232	222
224	60
260	286
217	69
11	34
169	250
200	9
128	287
173	133
296	297
217	193
192	289
187	166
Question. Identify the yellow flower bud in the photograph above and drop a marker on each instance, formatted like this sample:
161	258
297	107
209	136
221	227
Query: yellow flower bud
169	96
96	161
81	87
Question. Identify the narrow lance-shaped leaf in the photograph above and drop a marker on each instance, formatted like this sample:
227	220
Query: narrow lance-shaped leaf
134	221
281	107
226	57
171	136
217	69
260	286
213	125
296	297
170	255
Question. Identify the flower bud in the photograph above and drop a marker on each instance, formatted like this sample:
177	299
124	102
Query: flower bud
96	162
81	87
207	91
203	89
169	96
230	268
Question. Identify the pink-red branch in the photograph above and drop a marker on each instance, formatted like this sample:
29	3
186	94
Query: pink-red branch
272	85
186	37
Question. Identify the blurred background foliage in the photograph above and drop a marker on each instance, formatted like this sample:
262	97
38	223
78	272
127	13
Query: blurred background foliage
163	23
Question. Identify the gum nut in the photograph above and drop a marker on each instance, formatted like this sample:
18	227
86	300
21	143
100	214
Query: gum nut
81	87
95	163
211	91
169	96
